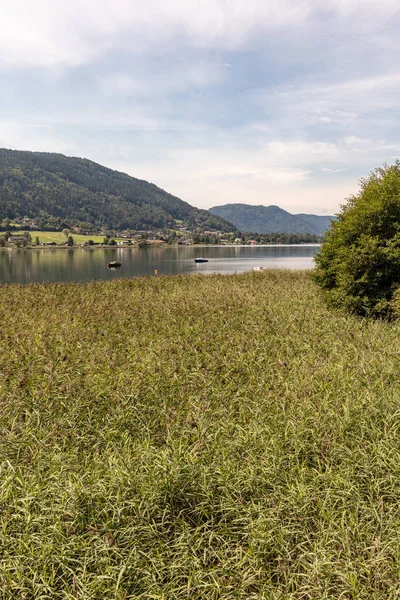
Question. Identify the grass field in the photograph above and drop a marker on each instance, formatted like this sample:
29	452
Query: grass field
58	237
221	437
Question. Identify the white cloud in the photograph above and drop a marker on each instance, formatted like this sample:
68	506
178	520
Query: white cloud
340	101
69	32
190	176
138	87
329	171
72	32
190	74
26	136
301	152
362	8
352	140
349	122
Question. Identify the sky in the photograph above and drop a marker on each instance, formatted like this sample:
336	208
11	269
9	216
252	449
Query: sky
285	102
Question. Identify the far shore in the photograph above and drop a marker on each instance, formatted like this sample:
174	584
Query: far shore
137	247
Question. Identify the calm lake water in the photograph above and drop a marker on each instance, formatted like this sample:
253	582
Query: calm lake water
82	264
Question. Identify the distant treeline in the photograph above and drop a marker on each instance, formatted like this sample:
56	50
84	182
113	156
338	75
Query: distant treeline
284	238
11	228
265	238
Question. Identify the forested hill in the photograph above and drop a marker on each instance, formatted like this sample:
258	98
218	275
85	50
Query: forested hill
60	189
271	219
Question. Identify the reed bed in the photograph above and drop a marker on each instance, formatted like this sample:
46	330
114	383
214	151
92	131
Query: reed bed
197	437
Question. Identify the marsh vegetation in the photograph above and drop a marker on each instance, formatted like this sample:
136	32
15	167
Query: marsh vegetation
200	437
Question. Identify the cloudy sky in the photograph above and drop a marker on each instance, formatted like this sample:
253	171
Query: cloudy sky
286	102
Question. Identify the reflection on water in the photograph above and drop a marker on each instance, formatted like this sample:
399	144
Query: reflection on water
82	264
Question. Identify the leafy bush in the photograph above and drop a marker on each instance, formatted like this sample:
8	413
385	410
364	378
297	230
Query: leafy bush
359	264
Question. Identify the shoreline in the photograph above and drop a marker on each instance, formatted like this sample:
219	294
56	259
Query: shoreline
151	246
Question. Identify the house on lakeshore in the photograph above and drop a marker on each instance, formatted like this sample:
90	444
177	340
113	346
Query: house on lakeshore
15	239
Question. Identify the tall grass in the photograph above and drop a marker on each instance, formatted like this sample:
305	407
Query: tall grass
196	437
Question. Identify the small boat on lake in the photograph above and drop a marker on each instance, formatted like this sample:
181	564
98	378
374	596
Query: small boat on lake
258	269
200	259
114	264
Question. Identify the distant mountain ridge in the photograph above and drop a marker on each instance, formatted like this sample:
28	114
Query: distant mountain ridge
56	189
271	219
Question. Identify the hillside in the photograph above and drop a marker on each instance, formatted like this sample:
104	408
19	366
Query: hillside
56	189
270	219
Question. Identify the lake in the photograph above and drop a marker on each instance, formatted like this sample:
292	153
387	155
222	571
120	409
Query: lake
83	263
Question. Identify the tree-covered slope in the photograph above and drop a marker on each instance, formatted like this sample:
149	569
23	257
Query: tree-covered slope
270	219
74	190
319	223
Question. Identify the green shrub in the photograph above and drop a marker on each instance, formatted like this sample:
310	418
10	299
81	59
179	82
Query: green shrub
358	266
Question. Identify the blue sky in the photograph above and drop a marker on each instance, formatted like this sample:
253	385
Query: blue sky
262	102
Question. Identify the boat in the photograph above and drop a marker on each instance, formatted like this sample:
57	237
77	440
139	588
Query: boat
258	269
200	259
113	264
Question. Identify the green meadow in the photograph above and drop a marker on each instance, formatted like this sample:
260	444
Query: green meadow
197	437
58	237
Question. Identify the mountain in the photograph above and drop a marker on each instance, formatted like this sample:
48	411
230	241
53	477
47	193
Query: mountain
54	189
271	219
320	223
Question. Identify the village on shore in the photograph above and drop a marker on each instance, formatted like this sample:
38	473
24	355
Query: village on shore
25	233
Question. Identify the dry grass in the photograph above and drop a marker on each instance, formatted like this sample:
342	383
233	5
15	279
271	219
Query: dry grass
222	437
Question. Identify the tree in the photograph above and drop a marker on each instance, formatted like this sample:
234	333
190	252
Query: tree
66	232
70	241
358	266
37	241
